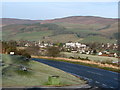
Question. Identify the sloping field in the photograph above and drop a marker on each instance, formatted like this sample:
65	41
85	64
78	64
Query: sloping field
80	26
29	35
37	74
100	39
63	38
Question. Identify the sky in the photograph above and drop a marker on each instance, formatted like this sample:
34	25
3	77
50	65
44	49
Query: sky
51	10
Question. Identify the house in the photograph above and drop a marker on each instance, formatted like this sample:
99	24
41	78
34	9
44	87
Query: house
115	55
103	45
106	52
88	52
75	45
108	45
100	53
27	45
12	53
74	51
114	62
111	55
104	55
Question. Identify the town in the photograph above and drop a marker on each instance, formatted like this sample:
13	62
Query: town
100	49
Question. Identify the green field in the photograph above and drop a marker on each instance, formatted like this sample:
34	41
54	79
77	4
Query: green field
29	35
99	39
63	38
91	57
36	75
77	30
80	26
58	32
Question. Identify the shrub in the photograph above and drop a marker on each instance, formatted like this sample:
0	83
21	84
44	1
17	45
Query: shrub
53	51
72	57
23	53
26	55
87	59
79	57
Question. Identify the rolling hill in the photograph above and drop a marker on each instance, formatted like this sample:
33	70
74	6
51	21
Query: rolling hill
8	21
78	28
83	20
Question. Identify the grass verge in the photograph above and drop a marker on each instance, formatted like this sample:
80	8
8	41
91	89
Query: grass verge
85	64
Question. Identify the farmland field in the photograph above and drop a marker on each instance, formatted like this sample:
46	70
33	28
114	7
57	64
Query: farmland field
77	30
63	38
29	35
92	39
91	57
80	26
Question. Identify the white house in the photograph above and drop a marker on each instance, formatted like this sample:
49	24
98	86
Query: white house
100	53
26	45
108	45
88	52
74	51
115	55
12	53
103	45
78	45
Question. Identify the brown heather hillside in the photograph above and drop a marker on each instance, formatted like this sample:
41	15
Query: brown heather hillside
80	27
8	21
105	26
109	31
83	20
71	19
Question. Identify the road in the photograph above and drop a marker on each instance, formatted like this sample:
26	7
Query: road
95	77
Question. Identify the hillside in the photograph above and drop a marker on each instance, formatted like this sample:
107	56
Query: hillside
83	20
37	74
105	26
77	27
8	21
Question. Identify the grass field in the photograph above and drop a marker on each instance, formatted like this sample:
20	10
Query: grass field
77	30
63	38
100	39
29	35
80	26
91	57
37	74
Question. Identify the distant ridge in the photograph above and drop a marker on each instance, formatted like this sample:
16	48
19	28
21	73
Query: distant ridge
82	20
8	21
70	19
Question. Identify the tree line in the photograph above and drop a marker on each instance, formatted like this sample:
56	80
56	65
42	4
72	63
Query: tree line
11	46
